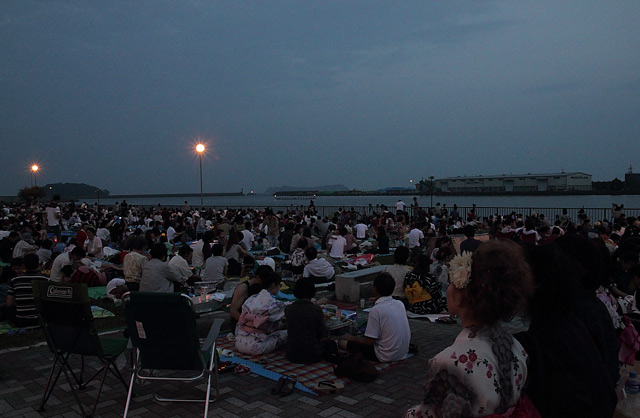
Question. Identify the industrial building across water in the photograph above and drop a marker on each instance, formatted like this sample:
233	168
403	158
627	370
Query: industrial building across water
518	183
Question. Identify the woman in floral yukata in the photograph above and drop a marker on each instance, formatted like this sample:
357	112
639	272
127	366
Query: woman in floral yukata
484	371
258	331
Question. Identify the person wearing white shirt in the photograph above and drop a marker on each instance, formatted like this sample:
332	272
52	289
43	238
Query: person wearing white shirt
319	269
198	259
180	262
337	243
23	247
387	335
247	236
93	244
415	237
361	230
67	259
103	233
171	233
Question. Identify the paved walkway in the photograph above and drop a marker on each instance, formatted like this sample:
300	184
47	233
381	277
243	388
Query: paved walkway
23	375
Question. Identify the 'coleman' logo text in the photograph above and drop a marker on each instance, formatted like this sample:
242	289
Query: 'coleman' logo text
60	292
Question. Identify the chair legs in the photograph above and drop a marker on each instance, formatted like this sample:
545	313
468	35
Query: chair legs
129	393
76	383
62	359
212	379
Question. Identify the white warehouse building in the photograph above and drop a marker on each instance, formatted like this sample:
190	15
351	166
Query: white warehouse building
554	182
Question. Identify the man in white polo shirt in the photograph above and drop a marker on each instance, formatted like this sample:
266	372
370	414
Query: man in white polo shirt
387	335
416	239
319	269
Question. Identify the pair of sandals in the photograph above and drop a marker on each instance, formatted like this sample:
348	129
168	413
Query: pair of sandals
225	366
328	387
241	369
446	320
284	386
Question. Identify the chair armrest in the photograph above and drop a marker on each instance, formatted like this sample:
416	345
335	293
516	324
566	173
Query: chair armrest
213	334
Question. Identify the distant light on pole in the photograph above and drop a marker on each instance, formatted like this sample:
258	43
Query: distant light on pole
431	179
34	170
200	150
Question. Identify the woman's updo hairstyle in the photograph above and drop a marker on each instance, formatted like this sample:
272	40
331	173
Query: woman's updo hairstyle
501	282
271	279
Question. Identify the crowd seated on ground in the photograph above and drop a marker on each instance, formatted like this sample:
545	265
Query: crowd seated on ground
598	299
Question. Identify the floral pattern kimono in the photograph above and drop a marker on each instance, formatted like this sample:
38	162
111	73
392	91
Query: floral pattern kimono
258	330
482	373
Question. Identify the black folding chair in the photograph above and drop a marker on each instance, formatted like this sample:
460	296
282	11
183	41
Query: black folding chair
65	315
163	330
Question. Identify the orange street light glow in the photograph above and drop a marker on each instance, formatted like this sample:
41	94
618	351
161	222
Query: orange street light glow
35	167
200	148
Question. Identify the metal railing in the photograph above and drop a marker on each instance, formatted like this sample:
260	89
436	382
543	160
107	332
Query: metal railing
595	214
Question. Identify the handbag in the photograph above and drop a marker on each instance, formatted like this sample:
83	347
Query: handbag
357	368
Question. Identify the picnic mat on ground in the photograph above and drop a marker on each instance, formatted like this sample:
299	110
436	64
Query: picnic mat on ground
7	328
275	365
97	292
99	312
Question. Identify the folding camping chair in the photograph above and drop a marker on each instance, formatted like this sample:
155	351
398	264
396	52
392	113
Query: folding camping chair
163	330
65	315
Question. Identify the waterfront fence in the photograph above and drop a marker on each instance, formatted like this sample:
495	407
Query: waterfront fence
595	214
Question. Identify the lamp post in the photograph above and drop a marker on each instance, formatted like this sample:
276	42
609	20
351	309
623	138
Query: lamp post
34	170
200	150
431	180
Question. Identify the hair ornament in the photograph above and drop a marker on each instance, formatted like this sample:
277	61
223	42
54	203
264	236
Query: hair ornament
460	270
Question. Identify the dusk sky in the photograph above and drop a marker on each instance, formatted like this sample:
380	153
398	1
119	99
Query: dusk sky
368	94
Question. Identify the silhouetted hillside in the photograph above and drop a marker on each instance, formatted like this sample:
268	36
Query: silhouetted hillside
71	191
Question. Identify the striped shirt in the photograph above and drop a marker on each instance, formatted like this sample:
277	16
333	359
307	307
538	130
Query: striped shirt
22	291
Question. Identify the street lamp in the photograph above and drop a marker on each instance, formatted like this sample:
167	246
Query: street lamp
200	150
431	179
34	170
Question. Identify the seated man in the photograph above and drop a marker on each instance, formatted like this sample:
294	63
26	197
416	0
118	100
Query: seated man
181	263
336	243
76	256
215	268
20	305
23	247
470	244
387	335
157	275
399	271
133	263
319	269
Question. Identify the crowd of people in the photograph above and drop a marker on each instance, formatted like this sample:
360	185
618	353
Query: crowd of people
574	281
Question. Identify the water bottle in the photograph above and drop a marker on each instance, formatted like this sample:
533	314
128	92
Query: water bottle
632	385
